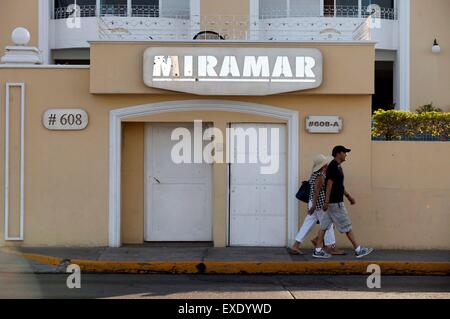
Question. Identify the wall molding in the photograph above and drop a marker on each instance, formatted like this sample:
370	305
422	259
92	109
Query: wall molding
22	159
115	139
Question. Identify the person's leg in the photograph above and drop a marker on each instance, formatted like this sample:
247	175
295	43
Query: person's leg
330	243
325	224
360	251
351	237
344	225
308	224
330	238
320	238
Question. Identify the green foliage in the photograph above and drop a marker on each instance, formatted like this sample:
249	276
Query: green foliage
395	125
428	108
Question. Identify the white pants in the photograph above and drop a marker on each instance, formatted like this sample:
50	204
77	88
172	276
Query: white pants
308	225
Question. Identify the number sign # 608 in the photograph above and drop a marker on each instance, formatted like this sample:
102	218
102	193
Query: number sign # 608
65	119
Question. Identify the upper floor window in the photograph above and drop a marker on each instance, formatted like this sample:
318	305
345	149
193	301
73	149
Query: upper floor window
328	8
117	8
66	8
341	8
304	8
386	8
123	8
289	8
145	8
175	8
387	4
161	8
273	9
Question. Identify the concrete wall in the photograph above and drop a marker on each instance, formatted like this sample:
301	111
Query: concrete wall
410	205
430	76
18	13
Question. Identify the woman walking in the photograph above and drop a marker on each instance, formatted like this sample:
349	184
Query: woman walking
316	201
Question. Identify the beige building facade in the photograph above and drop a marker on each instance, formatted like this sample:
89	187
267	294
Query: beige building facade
113	182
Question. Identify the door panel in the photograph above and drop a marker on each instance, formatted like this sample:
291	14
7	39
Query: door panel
258	215
180	213
178	196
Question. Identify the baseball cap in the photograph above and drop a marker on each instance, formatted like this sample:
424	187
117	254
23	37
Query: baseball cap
339	149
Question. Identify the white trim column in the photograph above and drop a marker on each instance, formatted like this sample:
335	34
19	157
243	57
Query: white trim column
402	69
129	8
44	30
98	5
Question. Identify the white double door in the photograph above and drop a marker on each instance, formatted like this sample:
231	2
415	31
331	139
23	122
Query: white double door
258	215
178	203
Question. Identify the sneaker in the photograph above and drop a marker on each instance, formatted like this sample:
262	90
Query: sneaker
363	252
321	254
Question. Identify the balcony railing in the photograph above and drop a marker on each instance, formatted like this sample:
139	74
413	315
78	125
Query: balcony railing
331	11
117	10
141	11
72	11
152	11
145	11
142	22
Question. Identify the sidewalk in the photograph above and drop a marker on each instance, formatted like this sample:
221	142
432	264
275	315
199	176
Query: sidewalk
203	259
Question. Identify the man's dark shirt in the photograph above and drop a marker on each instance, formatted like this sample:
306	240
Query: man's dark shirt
335	173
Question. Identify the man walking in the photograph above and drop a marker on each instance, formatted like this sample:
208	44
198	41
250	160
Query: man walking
333	210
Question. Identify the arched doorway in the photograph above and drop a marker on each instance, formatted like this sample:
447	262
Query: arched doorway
119	115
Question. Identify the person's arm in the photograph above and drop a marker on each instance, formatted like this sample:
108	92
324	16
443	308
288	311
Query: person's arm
317	187
350	198
328	194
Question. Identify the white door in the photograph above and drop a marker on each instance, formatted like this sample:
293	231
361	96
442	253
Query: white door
178	201
258	215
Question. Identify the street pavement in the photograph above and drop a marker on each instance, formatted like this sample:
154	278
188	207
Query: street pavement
126	286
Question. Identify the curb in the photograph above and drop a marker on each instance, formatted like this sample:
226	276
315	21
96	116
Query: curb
242	268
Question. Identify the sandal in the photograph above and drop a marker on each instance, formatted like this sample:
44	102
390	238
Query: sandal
332	250
295	252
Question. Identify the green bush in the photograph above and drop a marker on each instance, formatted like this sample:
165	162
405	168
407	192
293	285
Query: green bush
428	108
395	125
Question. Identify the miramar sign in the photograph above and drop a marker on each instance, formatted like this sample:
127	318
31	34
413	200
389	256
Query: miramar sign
233	71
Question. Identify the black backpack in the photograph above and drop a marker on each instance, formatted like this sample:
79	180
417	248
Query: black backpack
303	192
